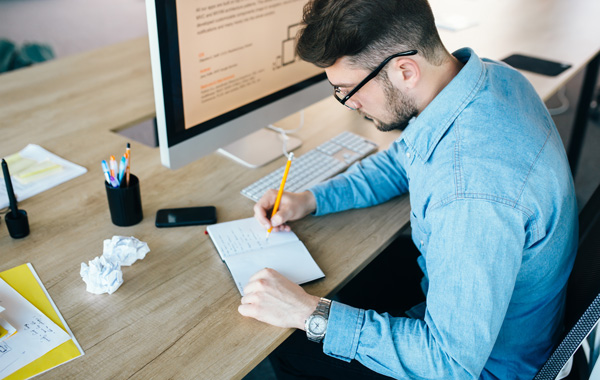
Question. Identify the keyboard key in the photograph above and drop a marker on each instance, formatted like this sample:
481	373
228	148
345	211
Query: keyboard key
315	165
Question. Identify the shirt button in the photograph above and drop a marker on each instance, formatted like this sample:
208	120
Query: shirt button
421	243
407	155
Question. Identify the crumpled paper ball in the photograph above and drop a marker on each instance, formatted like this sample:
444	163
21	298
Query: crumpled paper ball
101	276
124	250
104	274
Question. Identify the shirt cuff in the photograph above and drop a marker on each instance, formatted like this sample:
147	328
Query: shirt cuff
343	330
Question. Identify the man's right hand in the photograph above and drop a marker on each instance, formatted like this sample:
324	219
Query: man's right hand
293	206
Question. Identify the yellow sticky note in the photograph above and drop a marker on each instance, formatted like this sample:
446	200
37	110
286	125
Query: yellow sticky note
17	163
37	171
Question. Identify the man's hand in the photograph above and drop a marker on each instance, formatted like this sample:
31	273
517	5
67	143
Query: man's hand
293	206
273	299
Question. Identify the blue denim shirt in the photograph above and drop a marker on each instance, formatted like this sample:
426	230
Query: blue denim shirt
494	216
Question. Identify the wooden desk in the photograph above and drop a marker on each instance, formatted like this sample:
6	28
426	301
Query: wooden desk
176	316
176	313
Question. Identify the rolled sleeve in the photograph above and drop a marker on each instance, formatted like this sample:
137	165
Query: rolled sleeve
343	331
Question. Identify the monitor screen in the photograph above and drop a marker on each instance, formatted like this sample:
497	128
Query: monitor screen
223	69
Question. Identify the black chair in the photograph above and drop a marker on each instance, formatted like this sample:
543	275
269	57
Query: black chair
583	298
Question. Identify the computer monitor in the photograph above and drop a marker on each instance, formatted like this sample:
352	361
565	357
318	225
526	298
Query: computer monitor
224	69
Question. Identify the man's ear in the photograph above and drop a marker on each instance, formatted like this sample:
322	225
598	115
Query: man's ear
406	73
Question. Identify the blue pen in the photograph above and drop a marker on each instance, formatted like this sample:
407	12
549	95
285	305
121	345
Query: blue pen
109	179
122	166
106	172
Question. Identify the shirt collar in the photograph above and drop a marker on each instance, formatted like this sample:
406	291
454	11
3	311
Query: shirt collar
425	131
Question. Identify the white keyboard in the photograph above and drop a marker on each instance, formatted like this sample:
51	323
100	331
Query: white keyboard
316	165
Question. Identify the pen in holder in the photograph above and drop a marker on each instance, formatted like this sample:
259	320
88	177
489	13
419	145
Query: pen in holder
125	203
16	220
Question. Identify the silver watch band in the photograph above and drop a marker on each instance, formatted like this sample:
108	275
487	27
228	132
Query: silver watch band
321	312
323	307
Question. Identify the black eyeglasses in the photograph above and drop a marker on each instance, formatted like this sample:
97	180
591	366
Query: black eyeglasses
339	95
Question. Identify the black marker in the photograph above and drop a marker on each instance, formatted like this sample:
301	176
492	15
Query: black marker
9	190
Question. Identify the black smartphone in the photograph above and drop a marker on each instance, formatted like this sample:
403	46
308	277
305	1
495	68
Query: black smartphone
186	216
536	65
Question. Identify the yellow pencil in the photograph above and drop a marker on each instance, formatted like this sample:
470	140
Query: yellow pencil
280	192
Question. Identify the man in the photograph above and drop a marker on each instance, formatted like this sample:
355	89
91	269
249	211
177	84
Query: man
493	214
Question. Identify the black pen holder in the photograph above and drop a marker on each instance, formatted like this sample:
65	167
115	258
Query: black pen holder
125	203
18	227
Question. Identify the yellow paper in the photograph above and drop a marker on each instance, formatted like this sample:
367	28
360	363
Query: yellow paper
23	280
26	170
17	163
37	171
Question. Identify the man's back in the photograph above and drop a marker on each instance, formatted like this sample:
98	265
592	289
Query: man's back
503	157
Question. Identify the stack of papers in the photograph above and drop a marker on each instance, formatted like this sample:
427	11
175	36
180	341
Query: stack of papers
34	170
42	339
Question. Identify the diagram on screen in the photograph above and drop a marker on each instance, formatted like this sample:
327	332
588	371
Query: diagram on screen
288	48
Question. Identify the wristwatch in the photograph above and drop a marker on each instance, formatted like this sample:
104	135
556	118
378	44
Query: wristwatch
316	324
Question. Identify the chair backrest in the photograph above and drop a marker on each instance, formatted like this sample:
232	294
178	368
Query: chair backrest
582	310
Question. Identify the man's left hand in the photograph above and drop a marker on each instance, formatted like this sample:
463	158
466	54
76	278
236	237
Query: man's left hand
273	299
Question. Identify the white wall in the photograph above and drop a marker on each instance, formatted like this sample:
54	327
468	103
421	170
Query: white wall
72	26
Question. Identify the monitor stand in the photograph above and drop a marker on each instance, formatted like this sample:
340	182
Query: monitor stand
259	148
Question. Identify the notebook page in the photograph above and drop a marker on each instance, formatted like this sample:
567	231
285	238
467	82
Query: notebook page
292	260
244	235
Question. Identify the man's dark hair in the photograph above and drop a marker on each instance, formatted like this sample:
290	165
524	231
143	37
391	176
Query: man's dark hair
368	31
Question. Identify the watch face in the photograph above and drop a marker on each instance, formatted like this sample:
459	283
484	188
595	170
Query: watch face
317	324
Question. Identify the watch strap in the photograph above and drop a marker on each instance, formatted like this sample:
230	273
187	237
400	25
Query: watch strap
323	307
322	310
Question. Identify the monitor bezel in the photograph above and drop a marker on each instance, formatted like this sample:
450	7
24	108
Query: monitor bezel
164	49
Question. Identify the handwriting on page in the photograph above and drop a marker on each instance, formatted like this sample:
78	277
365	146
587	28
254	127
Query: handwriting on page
39	329
245	235
241	239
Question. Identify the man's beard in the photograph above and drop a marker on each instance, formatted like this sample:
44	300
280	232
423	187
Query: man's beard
402	107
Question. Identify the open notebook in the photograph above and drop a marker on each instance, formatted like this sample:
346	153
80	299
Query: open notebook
243	247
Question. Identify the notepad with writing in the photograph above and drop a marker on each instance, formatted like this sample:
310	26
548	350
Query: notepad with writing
243	247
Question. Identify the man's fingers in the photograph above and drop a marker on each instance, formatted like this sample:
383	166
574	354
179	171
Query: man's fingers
259	281
248	310
263	207
279	218
260	274
255	286
260	213
250	298
283	227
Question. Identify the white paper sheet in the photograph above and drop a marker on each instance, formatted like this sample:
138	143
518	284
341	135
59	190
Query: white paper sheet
243	246
36	333
232	238
292	260
32	185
